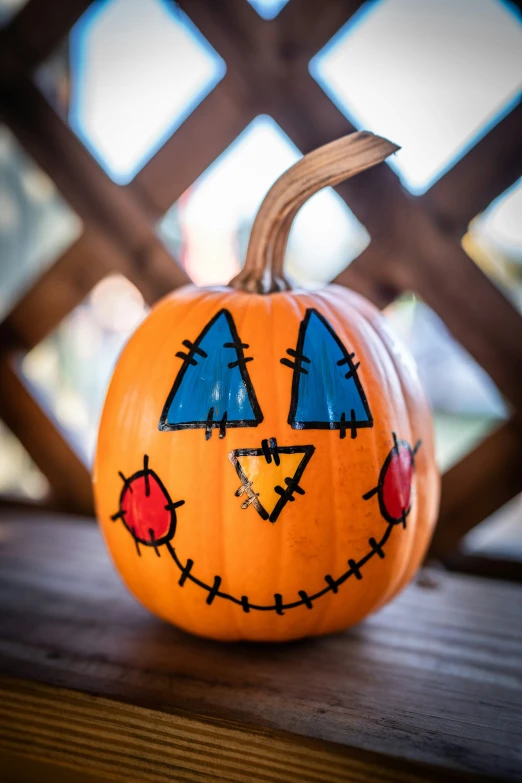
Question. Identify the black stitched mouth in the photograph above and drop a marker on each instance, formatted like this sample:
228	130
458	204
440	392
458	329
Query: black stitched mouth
279	606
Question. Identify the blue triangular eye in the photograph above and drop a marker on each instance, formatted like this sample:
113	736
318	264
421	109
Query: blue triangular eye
326	390
213	388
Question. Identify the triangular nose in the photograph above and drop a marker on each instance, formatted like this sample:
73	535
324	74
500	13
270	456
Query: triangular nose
270	476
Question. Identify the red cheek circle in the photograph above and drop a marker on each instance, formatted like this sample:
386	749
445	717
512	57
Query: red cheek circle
143	506
396	482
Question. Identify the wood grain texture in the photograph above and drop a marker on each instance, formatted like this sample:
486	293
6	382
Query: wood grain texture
124	742
435	679
21	769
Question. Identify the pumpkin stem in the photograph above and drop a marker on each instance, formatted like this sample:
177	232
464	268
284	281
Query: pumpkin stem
328	165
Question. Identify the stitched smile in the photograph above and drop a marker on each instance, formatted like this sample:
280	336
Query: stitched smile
149	514
355	569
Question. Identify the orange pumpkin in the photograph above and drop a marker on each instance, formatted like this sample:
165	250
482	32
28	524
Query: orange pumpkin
265	465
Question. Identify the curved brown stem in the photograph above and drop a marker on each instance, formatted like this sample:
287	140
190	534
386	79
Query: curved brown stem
328	165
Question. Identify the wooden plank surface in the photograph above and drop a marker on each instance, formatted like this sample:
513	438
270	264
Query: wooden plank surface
430	687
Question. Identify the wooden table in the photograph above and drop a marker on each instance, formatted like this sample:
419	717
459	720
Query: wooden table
94	688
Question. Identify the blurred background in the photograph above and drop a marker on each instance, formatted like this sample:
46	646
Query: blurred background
138	138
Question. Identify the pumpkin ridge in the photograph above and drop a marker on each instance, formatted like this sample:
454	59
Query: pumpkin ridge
366	322
372	324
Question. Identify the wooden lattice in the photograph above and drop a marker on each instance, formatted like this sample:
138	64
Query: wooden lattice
415	241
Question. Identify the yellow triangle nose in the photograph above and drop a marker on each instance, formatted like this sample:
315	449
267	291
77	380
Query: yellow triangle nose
270	476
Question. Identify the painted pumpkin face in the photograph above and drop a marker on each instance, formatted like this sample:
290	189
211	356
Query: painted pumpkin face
265	464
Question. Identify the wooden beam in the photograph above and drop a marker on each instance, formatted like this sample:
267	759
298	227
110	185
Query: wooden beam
486	171
255	48
311	119
65	284
478	486
368	275
100	202
304	28
475	311
415	253
507	569
211	127
256	52
229	26
275	56
58	291
422	257
68	476
34	33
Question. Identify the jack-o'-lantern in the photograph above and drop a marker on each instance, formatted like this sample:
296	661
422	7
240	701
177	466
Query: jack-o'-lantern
265	465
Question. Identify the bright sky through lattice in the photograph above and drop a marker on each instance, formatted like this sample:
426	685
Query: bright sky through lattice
494	242
208	227
433	76
464	410
36	224
138	69
19	476
71	368
501	223
268	9
8	9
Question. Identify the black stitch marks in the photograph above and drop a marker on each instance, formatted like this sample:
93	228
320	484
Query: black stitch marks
146	509
193	349
213	389
296	365
395	480
324	395
270	452
149	514
279	606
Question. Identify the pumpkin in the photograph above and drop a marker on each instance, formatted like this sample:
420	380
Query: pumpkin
265	466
